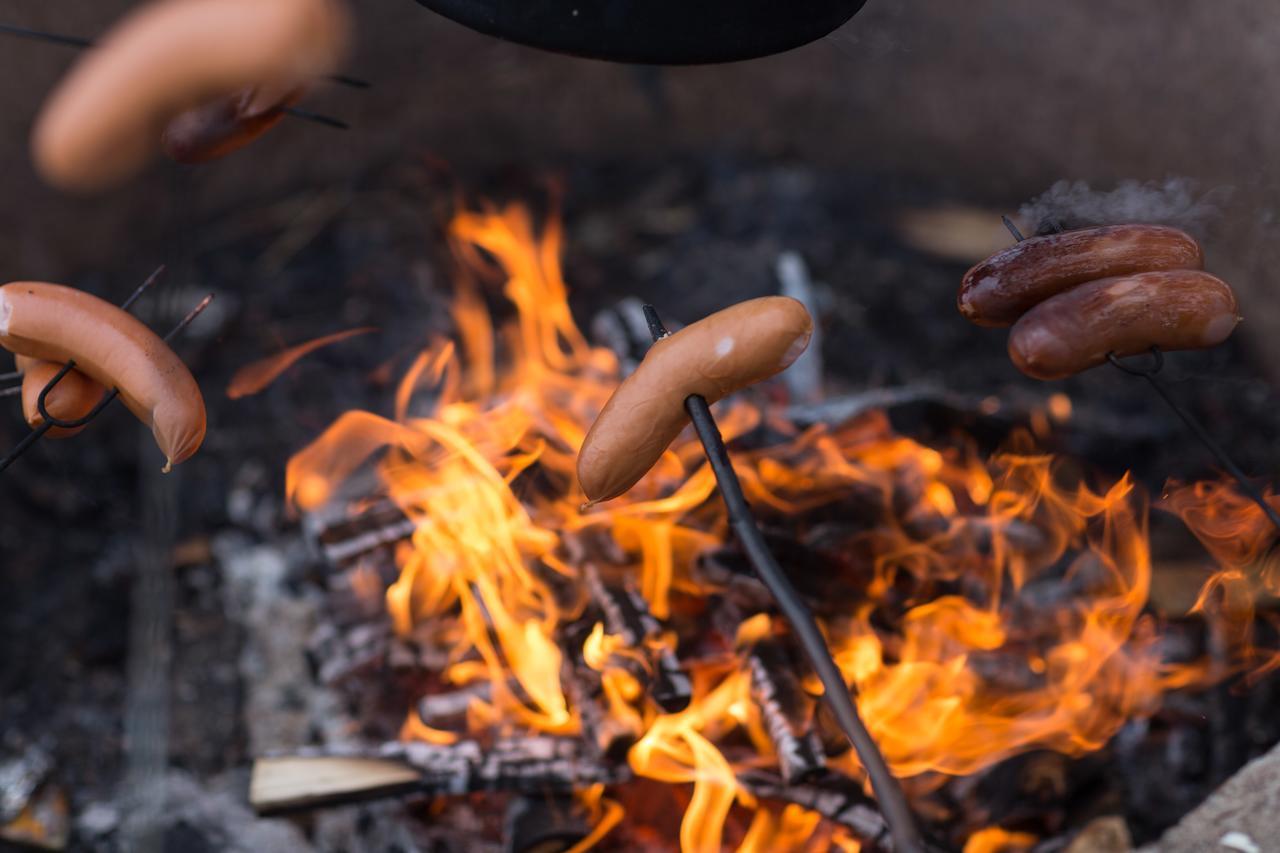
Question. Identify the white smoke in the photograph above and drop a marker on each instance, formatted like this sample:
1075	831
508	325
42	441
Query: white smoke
1174	201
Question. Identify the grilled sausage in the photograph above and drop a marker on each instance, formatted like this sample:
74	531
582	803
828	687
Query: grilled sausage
714	357
106	118
72	398
228	124
1125	315
56	323
1006	285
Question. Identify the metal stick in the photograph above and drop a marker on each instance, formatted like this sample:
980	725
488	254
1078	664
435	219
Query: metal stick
39	35
906	838
317	118
1197	429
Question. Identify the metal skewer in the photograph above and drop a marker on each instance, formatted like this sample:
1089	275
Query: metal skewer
81	44
1197	429
49	420
893	803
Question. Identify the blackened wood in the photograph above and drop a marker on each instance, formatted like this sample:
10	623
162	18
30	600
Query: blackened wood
786	711
834	796
612	736
627	614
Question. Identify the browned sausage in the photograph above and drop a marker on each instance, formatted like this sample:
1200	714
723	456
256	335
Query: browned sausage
56	323
105	120
1006	285
714	357
71	399
228	124
1125	315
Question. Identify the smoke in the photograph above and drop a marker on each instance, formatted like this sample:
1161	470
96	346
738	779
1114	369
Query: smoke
1174	201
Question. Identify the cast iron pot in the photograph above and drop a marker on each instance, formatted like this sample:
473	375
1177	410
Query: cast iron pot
665	32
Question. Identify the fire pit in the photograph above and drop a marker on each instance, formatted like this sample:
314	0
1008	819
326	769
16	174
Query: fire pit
377	610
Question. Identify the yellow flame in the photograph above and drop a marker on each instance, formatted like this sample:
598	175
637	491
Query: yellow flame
481	456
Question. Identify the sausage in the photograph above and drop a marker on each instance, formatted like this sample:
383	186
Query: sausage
227	124
72	398
713	357
105	120
1125	315
56	323
1006	285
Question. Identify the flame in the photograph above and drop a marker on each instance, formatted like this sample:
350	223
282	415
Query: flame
257	375
1015	594
997	840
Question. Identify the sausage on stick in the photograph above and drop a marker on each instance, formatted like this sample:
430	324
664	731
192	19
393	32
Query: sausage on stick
1006	285
56	323
106	119
1124	316
714	357
72	398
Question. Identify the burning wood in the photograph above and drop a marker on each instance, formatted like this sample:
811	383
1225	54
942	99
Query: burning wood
627	615
929	565
785	711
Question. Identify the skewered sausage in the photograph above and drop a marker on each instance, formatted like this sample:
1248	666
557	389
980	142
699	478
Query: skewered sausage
105	120
56	323
72	398
1125	315
228	124
1006	285
713	357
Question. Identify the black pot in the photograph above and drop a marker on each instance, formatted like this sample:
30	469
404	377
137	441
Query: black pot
665	32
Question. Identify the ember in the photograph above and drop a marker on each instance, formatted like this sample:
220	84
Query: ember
979	608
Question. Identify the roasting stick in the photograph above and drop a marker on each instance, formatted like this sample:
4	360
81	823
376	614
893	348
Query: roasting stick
296	112
1149	373
902	828
50	421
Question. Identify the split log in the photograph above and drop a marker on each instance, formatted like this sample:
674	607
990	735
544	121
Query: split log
786	712
627	614
526	765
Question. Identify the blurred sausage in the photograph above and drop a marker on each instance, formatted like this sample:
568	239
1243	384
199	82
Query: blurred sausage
714	357
1006	285
228	124
1125	315
105	120
72	398
56	323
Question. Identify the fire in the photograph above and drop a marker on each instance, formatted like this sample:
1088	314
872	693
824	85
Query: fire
1017	596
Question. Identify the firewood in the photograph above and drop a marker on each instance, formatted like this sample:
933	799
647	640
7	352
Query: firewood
627	614
533	764
786	712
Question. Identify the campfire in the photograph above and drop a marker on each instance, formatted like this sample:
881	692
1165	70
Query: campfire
621	655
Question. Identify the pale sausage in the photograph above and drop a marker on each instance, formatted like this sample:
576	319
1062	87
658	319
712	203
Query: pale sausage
56	323
72	398
105	120
713	357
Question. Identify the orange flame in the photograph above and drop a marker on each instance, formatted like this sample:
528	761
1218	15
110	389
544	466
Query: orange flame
965	556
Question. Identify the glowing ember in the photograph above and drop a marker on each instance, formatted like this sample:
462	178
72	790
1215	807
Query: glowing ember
999	607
